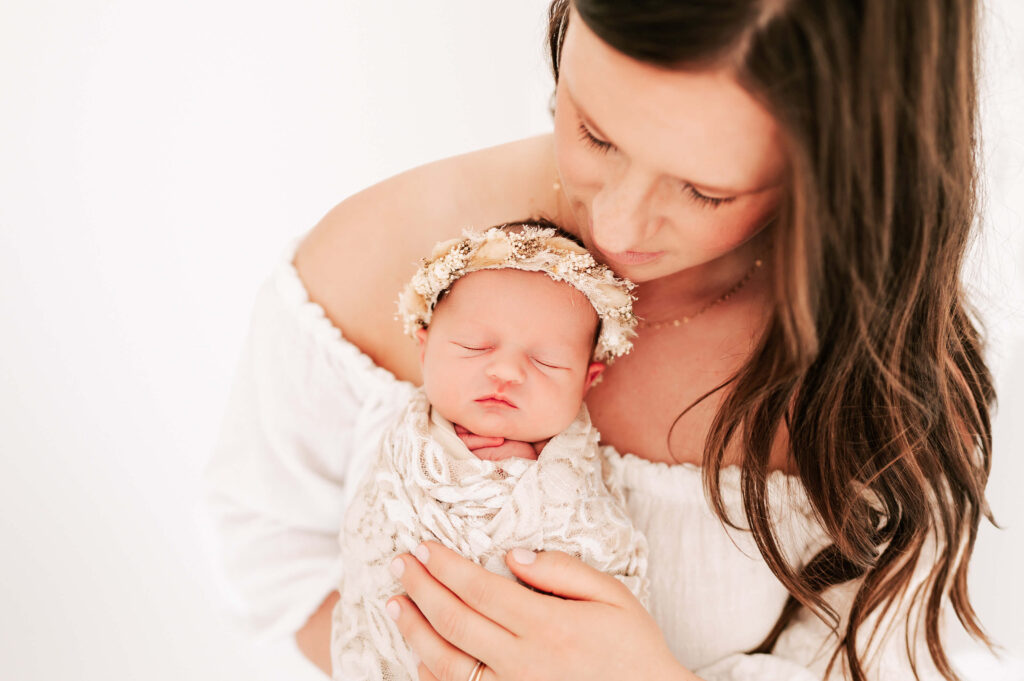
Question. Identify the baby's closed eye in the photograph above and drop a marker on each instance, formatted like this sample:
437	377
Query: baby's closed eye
549	364
472	347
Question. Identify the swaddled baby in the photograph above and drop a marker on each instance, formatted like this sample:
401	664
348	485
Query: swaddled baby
496	450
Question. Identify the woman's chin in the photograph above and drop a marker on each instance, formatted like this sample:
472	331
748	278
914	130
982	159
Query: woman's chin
639	274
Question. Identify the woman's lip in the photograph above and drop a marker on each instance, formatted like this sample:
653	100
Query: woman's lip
632	257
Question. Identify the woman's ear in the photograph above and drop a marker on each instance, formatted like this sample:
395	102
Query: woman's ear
421	340
594	370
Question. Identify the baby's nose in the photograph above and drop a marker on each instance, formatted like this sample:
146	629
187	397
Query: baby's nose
506	370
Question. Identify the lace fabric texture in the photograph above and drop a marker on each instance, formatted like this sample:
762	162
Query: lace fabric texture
416	490
302	428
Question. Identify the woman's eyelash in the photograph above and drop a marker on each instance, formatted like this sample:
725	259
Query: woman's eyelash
588	138
709	201
594	143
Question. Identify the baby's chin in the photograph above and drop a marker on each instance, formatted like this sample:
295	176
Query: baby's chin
494	425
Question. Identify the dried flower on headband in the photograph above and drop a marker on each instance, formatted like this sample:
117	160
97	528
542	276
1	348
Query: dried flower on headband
532	249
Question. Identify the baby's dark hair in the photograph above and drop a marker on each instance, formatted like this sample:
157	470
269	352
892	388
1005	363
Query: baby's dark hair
544	223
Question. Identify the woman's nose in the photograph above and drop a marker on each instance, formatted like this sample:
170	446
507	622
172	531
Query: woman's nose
506	369
621	213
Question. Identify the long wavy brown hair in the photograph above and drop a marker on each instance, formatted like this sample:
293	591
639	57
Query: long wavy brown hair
872	360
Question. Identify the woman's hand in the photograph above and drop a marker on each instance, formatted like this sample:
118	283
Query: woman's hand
457	612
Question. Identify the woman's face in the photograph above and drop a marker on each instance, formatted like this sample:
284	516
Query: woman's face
664	170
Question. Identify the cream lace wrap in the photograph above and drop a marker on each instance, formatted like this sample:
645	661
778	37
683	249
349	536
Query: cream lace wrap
418	489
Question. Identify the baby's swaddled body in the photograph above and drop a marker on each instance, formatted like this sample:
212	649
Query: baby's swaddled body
426	485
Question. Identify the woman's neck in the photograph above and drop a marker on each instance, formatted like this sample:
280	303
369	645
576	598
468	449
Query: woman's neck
696	289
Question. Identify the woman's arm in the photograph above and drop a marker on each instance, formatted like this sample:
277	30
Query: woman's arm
361	254
314	638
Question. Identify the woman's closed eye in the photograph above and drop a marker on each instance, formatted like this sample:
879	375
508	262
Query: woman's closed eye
691	192
710	201
593	142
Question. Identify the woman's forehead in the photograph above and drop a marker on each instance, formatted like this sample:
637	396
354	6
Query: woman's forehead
698	126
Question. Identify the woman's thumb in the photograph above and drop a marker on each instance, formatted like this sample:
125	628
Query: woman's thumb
563	575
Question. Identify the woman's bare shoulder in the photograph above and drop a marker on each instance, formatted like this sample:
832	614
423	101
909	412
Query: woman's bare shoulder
358	257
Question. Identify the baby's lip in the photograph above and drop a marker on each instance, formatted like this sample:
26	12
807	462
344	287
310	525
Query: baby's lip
498	398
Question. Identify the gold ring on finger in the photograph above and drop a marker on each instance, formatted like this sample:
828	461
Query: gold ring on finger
478	671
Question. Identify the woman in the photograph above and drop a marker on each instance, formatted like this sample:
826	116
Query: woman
791	184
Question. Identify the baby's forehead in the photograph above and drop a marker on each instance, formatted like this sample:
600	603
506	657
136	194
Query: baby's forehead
527	305
494	285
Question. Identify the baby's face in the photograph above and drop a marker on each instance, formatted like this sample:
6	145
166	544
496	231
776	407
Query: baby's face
508	353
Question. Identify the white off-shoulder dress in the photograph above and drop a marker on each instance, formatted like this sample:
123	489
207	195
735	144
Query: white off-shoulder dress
304	417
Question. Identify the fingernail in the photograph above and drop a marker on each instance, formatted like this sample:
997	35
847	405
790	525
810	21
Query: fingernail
523	557
397	567
393	610
421	553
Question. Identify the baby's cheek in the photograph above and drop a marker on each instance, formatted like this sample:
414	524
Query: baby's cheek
562	408
442	392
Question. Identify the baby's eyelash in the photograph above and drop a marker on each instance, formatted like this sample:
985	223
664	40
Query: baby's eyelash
545	364
468	347
588	138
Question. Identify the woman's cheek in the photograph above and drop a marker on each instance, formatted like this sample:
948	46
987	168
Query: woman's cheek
723	231
726	228
752	219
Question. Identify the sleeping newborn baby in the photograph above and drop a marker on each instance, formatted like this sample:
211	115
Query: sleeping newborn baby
496	450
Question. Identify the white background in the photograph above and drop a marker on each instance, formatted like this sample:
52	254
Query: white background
155	158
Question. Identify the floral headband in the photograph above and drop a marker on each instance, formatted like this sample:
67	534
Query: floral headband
533	249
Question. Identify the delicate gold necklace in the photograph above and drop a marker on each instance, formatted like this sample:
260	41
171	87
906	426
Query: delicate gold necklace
643	324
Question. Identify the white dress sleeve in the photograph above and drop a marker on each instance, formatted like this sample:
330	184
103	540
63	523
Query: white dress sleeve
292	437
805	647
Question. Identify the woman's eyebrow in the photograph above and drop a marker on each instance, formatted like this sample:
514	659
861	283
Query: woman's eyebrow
703	188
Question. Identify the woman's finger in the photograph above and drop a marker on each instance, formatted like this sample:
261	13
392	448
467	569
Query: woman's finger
501	600
560	574
423	674
448	616
439	660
